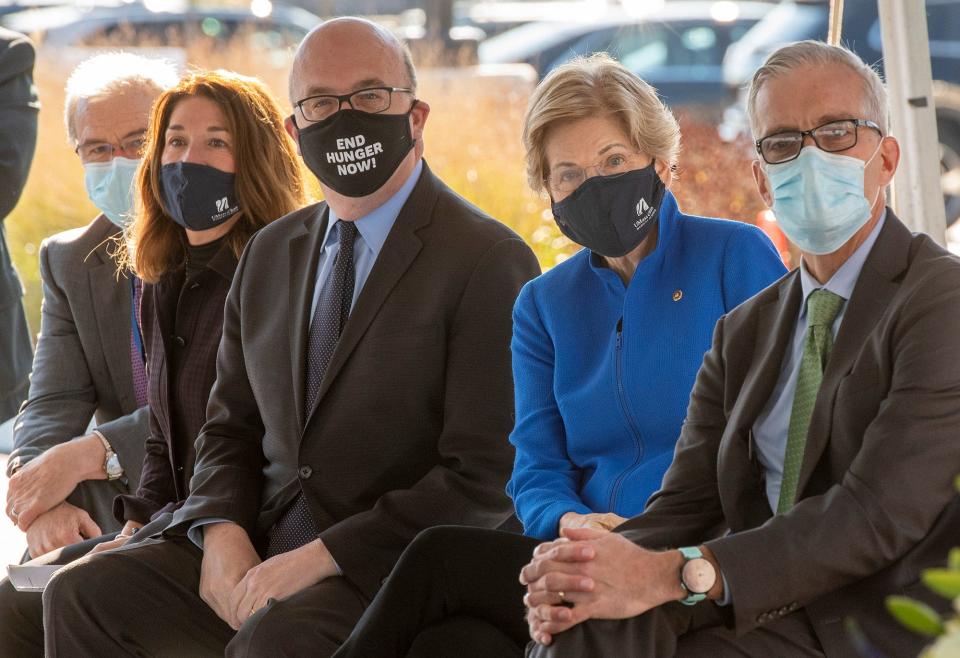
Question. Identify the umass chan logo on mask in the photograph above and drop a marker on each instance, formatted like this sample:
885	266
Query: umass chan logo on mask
645	213
223	210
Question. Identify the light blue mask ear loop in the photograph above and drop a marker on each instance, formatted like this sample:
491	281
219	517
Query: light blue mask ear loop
799	205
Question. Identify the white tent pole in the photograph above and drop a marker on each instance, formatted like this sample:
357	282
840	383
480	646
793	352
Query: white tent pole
836	22
916	195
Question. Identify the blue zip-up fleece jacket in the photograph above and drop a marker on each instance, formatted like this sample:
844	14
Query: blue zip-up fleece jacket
603	372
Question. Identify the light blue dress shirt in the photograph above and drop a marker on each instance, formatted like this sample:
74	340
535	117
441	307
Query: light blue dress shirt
770	428
372	232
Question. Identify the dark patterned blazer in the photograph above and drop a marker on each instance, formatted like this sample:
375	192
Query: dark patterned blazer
182	322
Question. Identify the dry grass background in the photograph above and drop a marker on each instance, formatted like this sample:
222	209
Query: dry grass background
472	141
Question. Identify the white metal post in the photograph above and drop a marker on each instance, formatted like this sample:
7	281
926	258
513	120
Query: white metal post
835	31
916	196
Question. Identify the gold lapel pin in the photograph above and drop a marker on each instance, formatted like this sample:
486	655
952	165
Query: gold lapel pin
677	295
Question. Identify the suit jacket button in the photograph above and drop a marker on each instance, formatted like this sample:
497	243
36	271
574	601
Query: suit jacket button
305	472
179	341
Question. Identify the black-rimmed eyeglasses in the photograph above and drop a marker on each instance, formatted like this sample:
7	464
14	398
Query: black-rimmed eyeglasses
831	137
372	100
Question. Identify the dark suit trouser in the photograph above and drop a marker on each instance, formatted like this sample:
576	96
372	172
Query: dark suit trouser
685	632
21	613
454	591
145	600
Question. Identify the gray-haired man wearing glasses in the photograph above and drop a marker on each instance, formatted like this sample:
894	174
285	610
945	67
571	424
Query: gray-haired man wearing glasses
813	475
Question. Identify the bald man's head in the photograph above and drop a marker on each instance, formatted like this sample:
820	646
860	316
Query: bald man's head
349	45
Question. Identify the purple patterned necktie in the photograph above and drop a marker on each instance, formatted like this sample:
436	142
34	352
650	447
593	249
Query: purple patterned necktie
296	527
137	365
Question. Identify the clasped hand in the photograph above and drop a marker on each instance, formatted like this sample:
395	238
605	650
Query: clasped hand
235	583
592	574
46	481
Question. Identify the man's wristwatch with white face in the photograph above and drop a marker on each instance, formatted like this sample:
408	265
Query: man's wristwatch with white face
697	576
111	463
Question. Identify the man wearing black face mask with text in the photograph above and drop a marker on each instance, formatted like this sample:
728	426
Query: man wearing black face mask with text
605	350
363	390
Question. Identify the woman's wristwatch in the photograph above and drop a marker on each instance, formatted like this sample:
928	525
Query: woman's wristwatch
111	463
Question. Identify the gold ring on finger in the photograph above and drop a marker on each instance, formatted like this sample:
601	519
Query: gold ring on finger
562	600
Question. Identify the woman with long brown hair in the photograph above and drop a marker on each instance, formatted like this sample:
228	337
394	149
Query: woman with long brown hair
218	166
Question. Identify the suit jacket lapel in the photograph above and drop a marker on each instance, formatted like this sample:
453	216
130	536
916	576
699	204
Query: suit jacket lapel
743	496
398	252
305	247
111	300
874	289
775	324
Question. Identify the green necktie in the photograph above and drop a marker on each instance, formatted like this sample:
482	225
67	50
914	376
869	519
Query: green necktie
822	309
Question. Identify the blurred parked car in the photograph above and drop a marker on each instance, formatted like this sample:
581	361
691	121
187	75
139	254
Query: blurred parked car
795	20
678	48
497	16
278	29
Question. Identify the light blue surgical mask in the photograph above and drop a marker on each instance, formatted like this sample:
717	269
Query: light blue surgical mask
818	199
110	187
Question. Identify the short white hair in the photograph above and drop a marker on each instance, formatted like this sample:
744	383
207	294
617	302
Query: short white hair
111	73
817	54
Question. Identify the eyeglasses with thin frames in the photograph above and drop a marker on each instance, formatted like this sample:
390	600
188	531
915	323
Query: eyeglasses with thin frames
833	136
91	152
566	178
372	100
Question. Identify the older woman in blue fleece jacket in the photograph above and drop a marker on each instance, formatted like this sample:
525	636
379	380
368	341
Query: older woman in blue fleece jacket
605	354
606	347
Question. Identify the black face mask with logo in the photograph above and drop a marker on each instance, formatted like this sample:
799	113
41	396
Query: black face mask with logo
611	215
354	153
196	196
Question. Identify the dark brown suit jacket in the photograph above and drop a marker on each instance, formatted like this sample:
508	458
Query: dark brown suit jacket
411	425
876	505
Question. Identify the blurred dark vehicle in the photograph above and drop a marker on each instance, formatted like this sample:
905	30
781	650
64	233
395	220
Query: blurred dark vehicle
280	29
678	48
796	20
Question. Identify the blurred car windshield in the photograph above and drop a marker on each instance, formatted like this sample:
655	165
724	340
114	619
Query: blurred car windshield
515	44
695	47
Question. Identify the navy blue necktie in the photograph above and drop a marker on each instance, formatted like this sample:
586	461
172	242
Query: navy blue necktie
295	527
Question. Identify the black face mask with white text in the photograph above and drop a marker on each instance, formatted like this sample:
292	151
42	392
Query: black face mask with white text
355	153
196	196
611	215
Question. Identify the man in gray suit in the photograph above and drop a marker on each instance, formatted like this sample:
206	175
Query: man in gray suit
89	360
813	475
18	138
